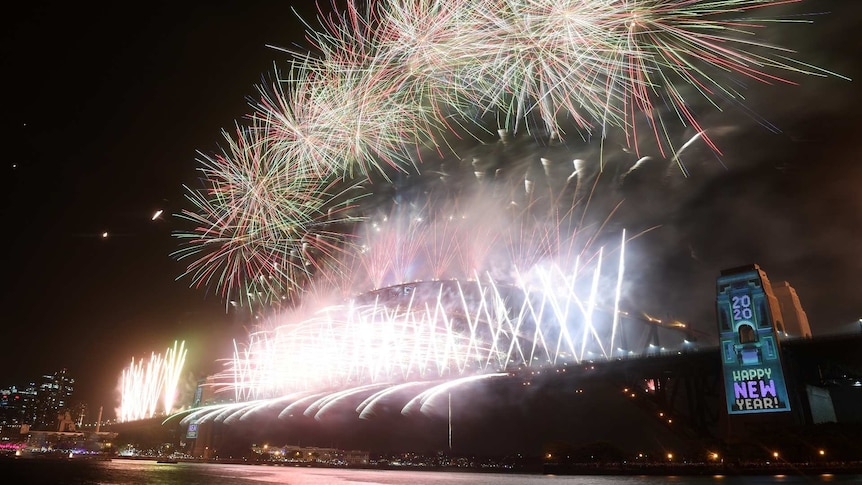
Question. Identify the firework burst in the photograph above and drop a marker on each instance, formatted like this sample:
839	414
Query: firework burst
261	226
628	64
342	122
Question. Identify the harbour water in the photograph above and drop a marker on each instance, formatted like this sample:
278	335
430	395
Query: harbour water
122	472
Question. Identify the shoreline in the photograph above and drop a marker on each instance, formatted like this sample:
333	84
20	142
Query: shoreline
704	469
584	469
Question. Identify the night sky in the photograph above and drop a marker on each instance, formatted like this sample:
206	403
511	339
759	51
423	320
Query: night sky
105	110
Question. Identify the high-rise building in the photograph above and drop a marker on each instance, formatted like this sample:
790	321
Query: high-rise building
53	395
794	323
17	406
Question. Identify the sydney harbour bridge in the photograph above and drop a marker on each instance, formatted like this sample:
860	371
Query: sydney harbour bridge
480	368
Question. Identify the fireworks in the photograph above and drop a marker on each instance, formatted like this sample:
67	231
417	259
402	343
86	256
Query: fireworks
325	121
485	262
390	81
433	321
430	330
629	64
263	223
590	63
149	387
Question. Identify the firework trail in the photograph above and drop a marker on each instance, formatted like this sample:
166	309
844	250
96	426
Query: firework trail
175	358
148	388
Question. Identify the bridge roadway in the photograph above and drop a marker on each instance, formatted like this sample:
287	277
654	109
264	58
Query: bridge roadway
662	401
683	389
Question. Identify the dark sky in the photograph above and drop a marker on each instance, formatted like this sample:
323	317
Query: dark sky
103	114
105	109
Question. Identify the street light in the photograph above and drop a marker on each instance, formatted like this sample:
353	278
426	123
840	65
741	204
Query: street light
775	454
